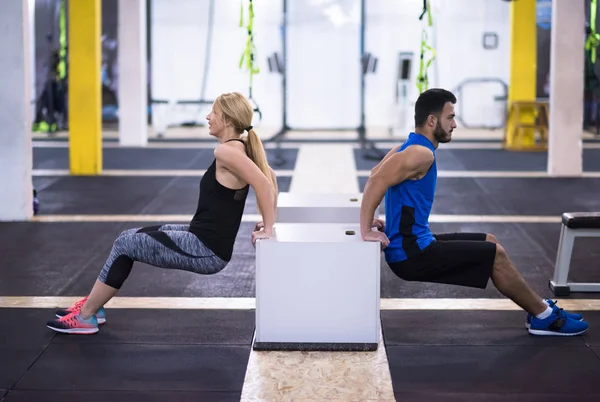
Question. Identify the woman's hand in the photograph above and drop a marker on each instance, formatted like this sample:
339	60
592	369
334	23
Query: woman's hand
259	234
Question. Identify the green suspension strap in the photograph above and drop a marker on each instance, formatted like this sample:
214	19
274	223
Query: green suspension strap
423	79
62	39
593	38
591	43
249	51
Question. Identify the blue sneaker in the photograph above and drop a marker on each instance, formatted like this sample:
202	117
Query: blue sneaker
76	308
551	303
557	324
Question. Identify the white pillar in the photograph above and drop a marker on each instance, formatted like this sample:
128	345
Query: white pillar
565	148
16	199
133	91
31	6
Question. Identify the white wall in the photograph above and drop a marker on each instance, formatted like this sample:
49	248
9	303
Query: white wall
323	56
324	64
462	56
457	36
179	29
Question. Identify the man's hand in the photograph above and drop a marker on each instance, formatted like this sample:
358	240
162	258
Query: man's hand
259	226
376	236
413	162
379	224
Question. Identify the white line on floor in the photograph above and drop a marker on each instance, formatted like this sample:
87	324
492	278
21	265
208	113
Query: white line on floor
159	145
127	218
324	169
384	146
143	172
290	173
248	303
495	174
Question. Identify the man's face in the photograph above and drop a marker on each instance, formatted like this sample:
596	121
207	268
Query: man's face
445	124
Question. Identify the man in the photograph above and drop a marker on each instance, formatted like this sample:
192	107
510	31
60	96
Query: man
407	177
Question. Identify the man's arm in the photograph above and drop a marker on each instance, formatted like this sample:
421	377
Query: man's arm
385	158
412	162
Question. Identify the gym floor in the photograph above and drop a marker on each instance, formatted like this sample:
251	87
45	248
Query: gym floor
172	335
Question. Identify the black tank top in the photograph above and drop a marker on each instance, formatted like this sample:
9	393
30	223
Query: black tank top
219	214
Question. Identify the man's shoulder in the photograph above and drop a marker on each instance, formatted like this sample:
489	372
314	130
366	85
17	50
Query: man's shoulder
419	150
418	157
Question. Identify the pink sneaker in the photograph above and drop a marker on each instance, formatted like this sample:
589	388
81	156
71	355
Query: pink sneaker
76	308
72	323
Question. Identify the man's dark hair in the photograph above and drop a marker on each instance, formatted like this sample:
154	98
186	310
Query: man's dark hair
431	101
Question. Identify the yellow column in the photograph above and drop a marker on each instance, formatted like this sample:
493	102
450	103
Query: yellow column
85	95
523	66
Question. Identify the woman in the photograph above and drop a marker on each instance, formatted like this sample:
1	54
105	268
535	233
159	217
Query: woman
205	245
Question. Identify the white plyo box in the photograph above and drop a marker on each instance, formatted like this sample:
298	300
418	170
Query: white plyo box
317	208
317	288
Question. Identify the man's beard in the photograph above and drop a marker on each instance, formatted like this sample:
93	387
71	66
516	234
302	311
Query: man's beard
440	135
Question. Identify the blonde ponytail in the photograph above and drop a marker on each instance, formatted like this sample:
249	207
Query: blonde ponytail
256	152
238	111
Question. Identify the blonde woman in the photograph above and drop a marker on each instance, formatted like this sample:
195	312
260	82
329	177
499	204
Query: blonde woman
205	245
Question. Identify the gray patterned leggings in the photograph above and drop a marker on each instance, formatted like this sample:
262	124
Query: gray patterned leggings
166	246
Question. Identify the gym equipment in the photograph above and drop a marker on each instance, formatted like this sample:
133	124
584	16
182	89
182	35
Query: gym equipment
500	98
36	202
593	38
401	101
317	208
341	273
275	64
423	79
249	53
51	107
541	110
592	82
368	63
574	224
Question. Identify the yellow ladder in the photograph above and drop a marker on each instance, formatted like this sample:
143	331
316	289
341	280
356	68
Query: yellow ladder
514	140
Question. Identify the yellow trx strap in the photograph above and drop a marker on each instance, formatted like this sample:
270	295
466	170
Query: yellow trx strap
250	50
593	39
62	69
423	79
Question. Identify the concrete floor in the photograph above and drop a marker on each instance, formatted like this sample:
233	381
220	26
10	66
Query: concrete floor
172	334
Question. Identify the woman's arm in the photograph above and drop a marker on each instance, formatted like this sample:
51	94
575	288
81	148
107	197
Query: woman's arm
260	225
274	179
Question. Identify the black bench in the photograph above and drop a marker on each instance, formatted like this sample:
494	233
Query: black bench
574	224
581	220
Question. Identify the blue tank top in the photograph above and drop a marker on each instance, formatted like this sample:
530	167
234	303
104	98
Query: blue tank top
407	208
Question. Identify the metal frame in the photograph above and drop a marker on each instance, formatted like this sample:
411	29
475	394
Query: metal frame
560	284
476	80
367	146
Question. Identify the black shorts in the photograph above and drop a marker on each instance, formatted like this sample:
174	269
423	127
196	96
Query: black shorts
463	259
